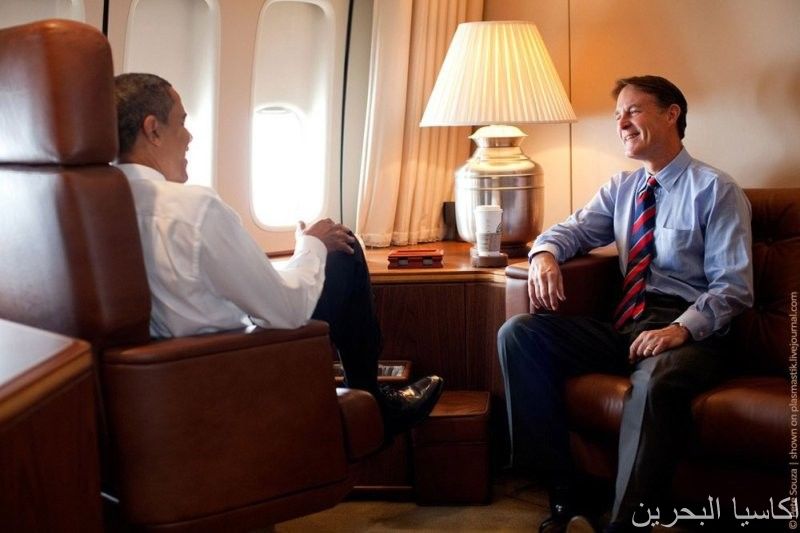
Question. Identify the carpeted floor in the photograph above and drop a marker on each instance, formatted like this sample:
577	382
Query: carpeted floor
517	506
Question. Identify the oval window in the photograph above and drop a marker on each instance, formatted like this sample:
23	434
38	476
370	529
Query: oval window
296	116
285	175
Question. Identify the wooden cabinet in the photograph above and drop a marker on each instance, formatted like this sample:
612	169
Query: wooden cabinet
448	329
445	320
424	323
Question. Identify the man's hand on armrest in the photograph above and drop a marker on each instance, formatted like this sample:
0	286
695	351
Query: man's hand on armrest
545	283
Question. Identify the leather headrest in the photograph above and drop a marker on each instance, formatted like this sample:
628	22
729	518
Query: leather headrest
56	95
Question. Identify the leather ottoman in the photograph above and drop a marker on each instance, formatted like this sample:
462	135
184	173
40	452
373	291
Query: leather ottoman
451	451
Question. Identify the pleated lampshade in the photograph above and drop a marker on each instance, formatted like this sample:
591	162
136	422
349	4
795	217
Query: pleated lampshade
497	73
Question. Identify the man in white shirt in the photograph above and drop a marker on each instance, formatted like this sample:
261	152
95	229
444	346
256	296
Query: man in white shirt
206	273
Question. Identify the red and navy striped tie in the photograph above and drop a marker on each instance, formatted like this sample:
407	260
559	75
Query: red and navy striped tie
640	256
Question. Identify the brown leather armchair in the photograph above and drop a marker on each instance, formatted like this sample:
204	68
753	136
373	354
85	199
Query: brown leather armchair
227	431
741	439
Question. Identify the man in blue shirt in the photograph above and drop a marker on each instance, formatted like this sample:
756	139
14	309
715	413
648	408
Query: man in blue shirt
682	230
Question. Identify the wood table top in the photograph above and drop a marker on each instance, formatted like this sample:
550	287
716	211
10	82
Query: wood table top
456	266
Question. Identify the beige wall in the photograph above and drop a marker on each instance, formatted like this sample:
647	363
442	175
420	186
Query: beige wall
737	62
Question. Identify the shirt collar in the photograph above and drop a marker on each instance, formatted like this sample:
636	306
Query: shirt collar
135	171
668	175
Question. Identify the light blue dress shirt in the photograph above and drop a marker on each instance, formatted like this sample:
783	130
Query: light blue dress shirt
703	238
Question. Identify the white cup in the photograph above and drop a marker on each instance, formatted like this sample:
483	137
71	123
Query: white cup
488	229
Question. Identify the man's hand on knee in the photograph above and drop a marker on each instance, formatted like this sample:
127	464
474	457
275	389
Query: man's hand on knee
656	341
545	284
335	237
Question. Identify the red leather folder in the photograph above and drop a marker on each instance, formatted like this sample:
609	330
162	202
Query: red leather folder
416	258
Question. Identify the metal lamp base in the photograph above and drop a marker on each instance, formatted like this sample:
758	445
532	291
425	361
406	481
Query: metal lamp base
499	173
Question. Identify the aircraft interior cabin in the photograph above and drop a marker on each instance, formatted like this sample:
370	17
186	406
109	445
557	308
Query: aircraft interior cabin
399	265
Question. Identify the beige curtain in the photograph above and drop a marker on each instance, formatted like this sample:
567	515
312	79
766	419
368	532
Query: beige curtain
407	171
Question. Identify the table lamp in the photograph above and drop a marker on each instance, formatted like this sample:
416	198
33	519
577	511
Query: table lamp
496	74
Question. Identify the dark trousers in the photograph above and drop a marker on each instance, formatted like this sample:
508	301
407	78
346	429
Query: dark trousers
539	352
347	305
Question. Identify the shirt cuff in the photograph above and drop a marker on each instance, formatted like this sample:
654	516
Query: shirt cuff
697	323
312	245
552	248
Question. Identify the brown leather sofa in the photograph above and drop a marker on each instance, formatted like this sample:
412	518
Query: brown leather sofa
228	431
741	440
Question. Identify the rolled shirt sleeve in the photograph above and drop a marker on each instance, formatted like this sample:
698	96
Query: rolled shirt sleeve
236	269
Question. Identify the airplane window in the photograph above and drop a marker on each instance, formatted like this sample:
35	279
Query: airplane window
15	12
296	112
286	175
179	40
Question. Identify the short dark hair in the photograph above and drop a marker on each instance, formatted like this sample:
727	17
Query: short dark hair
666	93
137	96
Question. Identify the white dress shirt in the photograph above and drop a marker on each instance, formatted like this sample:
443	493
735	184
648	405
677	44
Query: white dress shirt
206	273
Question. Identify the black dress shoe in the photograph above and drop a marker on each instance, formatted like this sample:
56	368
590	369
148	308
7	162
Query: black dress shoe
404	408
561	510
551	524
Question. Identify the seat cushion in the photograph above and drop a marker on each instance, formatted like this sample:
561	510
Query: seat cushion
754	409
744	419
594	402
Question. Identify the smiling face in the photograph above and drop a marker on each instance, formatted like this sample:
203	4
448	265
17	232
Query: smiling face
175	139
647	130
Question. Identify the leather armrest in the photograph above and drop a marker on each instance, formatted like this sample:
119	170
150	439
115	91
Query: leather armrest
231	418
517	300
362	422
180	348
591	285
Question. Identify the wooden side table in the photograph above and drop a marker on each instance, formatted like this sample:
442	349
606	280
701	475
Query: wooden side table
49	466
445	320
